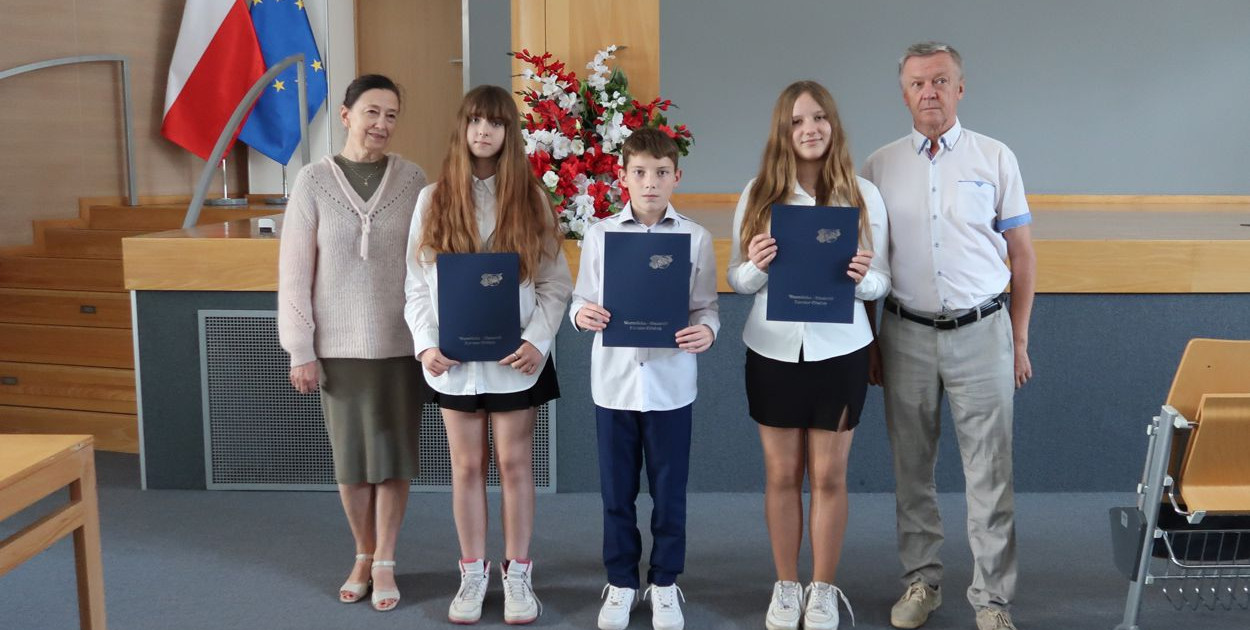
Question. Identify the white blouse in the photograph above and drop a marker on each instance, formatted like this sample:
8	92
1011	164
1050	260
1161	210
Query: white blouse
543	298
782	341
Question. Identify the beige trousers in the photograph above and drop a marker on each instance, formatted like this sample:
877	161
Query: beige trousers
974	367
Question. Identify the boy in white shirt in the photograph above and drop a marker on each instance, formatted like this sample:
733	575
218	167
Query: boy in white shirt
644	396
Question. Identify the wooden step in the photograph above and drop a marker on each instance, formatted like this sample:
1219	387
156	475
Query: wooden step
113	431
65	308
66	345
80	274
161	218
85	243
67	387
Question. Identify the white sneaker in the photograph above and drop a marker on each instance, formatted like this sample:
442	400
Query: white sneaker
519	603
786	608
618	602
466	606
821	611
665	607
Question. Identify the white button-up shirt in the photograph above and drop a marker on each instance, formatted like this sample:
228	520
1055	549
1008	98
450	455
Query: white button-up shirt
947	216
646	379
542	297
818	340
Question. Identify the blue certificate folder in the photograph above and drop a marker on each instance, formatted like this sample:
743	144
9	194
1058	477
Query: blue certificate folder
807	281
646	288
479	308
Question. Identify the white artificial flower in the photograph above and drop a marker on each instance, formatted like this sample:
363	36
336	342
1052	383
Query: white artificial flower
550	86
550	179
561	146
531	143
542	139
578	147
584	205
567	101
613	132
597	81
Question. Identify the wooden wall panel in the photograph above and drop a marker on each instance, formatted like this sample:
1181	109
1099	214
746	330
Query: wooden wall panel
67	345
64	308
574	30
61	273
113	431
63	125
67	387
415	43
84	243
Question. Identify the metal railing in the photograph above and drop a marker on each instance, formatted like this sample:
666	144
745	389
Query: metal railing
236	119
131	196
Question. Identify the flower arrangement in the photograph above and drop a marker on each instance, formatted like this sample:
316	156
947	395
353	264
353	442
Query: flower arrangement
574	132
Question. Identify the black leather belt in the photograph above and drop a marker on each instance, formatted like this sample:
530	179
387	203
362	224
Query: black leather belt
948	323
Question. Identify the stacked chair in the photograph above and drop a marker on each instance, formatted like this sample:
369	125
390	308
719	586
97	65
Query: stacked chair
1190	530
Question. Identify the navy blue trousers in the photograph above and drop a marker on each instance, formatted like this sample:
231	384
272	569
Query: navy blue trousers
626	438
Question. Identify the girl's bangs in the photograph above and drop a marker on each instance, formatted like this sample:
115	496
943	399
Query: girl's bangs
490	107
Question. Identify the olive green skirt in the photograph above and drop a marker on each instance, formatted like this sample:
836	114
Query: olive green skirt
372	410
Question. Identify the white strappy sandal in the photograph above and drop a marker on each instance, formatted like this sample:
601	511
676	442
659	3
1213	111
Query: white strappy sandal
352	592
383	596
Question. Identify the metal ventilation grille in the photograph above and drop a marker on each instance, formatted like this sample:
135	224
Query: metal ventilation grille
259	434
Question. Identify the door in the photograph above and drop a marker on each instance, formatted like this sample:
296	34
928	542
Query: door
418	45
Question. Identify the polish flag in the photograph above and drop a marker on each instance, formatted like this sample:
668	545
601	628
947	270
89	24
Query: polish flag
216	61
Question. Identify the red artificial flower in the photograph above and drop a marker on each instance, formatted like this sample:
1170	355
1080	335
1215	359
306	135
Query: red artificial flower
633	119
540	161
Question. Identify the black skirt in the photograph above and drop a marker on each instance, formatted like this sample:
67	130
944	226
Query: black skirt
807	394
546	388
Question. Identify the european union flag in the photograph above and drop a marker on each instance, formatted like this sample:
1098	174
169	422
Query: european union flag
282	29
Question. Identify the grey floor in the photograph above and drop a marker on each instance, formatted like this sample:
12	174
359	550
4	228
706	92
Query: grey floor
197	559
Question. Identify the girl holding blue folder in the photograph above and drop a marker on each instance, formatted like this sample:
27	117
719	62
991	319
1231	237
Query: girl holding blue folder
488	200
806	382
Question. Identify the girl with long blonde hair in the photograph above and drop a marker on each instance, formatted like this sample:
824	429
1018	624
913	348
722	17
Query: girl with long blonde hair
806	382
488	200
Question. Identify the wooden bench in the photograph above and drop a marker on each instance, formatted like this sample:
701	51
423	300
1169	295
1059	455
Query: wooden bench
33	467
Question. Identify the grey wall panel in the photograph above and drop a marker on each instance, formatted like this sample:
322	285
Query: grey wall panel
1102	364
169	353
1103	96
490	40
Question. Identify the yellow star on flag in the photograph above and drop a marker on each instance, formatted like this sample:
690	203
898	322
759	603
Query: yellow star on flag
255	2
278	86
316	65
299	3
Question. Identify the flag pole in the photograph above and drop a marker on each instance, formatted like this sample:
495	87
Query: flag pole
226	199
305	153
279	201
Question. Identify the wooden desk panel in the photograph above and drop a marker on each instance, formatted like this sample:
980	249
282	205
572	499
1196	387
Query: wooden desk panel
1081	248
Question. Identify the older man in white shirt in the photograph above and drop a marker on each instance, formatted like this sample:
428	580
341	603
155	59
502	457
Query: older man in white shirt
958	214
